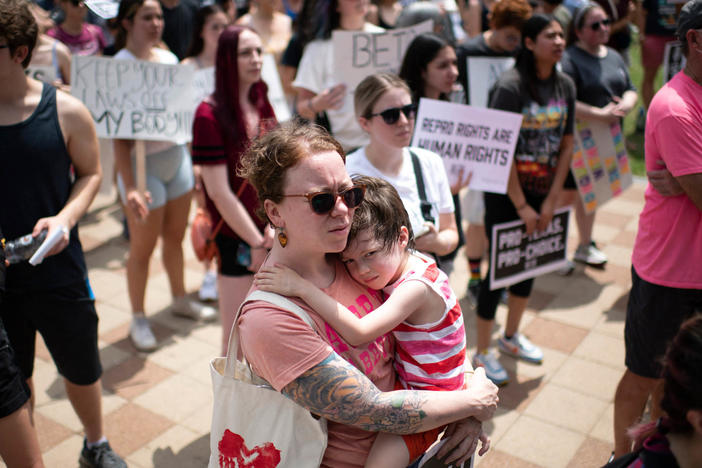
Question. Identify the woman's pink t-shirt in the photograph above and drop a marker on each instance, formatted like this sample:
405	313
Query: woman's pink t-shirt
280	347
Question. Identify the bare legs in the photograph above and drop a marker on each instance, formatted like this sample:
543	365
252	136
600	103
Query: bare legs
629	404
19	446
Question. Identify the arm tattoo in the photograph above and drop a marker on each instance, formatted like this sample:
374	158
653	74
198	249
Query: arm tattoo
336	390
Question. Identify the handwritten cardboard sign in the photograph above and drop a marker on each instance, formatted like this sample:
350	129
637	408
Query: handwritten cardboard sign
483	73
600	164
673	60
45	73
469	140
134	99
103	8
515	257
358	54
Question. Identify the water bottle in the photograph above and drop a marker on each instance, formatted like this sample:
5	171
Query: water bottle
22	248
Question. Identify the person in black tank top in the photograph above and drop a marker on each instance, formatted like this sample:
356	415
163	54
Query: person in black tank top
51	173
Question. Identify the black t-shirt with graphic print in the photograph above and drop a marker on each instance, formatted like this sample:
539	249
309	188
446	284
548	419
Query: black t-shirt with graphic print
544	124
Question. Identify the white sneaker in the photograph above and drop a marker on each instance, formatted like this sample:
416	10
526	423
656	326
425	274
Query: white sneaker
208	289
568	269
590	255
141	335
493	369
520	346
184	307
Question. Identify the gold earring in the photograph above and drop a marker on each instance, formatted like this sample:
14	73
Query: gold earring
282	237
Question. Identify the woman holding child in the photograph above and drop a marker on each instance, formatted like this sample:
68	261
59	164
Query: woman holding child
309	198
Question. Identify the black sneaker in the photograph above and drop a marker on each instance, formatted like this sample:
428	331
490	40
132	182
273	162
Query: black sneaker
100	456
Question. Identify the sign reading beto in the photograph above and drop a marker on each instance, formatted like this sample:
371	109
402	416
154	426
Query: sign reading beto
515	257
358	54
134	99
469	140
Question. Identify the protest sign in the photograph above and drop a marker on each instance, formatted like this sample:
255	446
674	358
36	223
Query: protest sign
203	83
45	73
673	60
469	140
483	73
358	54
276	96
134	99
600	164
515	257
103	8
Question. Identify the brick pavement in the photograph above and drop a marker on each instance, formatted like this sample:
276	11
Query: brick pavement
158	406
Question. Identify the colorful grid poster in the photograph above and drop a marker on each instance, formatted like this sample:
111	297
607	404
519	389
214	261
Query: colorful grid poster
600	164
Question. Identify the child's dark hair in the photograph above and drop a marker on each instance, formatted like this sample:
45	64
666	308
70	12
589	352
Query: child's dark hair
682	383
382	212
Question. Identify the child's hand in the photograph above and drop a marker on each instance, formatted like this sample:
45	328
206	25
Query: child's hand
280	280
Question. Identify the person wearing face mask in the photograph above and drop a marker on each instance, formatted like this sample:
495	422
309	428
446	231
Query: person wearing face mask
604	94
501	40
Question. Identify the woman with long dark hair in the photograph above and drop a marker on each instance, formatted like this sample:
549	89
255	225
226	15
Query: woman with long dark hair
429	67
225	123
210	21
546	99
163	210
431	71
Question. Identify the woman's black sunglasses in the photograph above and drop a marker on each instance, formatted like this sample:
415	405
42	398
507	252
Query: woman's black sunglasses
323	202
597	24
392	115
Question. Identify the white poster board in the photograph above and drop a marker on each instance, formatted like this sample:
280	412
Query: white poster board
203	83
482	73
276	95
600	164
45	73
134	99
103	8
515	257
469	140
358	54
673	60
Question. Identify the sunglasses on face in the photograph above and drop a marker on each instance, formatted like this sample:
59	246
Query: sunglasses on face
392	115
323	202
597	24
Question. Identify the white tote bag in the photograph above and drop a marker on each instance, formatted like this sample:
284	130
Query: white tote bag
253	425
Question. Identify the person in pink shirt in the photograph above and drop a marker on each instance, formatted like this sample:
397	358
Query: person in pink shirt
307	195
80	37
667	258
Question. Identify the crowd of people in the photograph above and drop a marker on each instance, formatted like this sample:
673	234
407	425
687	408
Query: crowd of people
336	210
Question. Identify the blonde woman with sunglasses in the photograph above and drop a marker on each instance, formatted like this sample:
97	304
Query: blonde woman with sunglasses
385	111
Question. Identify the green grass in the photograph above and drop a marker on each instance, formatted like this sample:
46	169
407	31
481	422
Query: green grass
635	140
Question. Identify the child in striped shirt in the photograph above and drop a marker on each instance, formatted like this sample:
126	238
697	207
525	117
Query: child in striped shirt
421	311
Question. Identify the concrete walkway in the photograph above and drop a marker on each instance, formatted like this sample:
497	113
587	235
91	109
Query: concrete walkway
158	406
